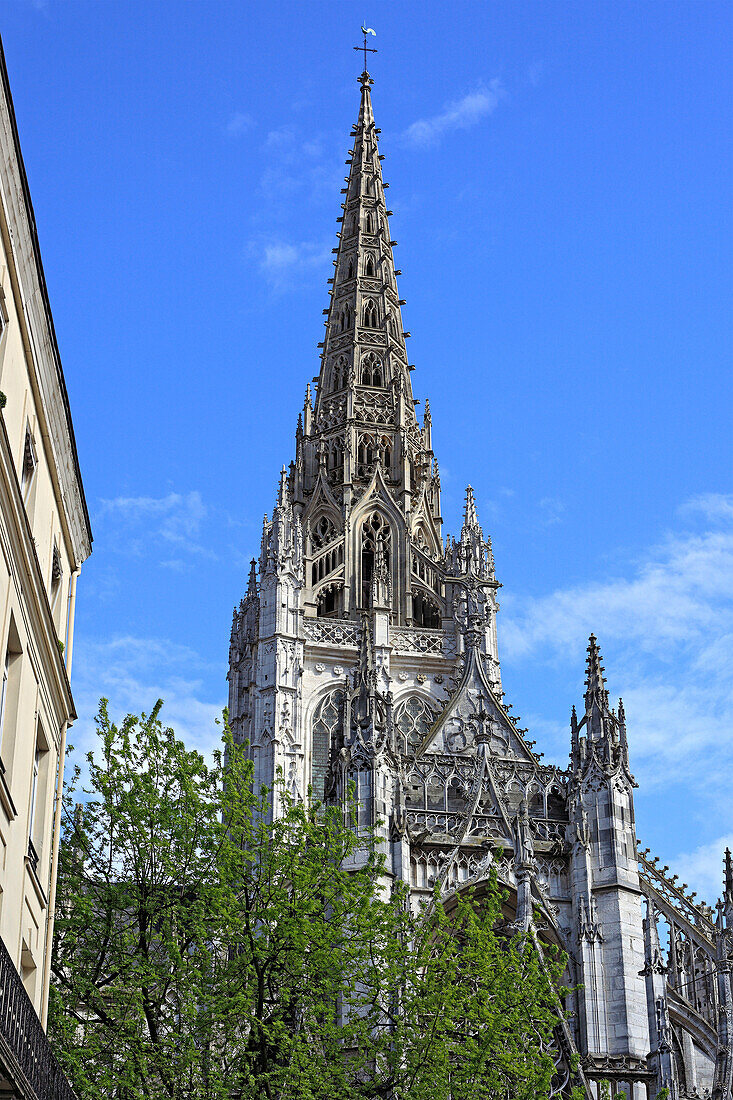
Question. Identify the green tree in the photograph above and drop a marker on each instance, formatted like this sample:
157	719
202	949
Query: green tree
203	953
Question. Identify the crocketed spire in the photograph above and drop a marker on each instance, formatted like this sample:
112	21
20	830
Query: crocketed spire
365	340
470	517
596	695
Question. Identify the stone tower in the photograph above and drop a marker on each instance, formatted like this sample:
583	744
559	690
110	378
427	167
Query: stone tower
365	652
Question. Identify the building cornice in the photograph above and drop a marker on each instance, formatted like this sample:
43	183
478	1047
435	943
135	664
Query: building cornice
39	337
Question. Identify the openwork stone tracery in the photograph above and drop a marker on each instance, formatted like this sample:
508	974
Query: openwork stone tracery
365	654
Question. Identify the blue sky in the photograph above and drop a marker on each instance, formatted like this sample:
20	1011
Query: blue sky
561	184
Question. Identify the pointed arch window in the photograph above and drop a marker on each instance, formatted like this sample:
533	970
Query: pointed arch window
345	317
371	316
335	460
370	267
369	224
371	449
350	268
385	453
327	729
365	455
371	370
375	531
339	372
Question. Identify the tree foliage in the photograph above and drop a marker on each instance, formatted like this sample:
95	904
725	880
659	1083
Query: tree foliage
205	953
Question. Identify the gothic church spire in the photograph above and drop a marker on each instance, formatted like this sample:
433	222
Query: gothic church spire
365	339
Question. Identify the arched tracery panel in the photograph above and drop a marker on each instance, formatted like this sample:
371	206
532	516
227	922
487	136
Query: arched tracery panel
413	719
371	315
322	532
327	726
339	372
371	370
375	531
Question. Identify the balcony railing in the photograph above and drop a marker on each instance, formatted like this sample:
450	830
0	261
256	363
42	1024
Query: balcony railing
25	1053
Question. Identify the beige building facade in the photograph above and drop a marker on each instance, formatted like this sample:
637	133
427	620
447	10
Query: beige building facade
45	536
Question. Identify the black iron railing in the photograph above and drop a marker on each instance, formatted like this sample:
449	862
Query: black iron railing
33	856
24	1048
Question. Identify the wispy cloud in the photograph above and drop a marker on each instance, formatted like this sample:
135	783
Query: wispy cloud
552	510
675	594
238	123
309	170
284	262
703	867
134	672
669	624
459	115
173	520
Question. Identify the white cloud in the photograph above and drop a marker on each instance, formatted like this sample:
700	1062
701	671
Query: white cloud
551	510
682	590
238	123
703	868
713	506
133	673
669	625
281	261
459	115
173	520
309	170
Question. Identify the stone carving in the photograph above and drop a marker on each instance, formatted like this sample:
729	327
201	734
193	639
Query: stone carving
330	632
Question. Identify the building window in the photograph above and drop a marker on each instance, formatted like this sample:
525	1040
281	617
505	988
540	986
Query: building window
369	267
37	805
30	463
335	460
328	605
375	531
327	725
32	851
57	573
339	372
425	612
371	317
4	694
371	370
9	698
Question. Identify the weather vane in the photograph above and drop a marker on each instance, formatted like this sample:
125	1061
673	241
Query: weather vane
365	31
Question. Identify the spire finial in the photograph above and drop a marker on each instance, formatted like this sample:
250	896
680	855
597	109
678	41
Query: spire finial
728	895
594	679
470	518
365	50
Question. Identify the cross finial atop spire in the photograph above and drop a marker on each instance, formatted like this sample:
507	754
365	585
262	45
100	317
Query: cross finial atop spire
365	50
